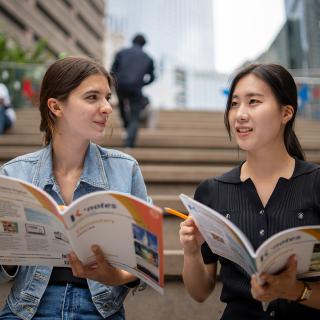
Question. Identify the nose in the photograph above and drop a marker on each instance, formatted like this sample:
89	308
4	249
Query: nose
242	114
106	107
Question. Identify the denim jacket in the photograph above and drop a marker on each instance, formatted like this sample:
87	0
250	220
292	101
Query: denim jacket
104	169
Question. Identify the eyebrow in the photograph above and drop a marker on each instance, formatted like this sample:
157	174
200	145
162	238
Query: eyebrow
250	94
96	92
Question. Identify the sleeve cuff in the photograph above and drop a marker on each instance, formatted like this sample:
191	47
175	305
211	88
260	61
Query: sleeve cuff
7	276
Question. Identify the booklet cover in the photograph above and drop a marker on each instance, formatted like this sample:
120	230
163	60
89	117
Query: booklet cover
35	231
227	240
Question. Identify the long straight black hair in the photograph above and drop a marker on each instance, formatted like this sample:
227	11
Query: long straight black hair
284	88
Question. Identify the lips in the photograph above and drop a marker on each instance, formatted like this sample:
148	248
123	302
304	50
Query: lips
244	129
243	132
101	123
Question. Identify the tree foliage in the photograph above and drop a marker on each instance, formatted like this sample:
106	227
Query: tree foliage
21	69
12	51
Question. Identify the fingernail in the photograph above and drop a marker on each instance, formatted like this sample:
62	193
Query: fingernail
94	248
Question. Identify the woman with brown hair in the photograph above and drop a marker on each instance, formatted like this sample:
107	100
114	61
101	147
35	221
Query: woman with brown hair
74	107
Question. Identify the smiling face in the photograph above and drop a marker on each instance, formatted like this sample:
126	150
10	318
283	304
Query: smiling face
85	112
255	117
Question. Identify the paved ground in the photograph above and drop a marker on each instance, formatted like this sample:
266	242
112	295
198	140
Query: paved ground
175	304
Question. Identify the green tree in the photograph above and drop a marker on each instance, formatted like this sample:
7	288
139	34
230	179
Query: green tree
19	65
12	51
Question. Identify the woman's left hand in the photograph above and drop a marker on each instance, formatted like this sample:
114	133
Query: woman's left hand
100	270
281	286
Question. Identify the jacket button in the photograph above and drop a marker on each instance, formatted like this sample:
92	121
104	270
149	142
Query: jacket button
272	314
261	212
300	215
228	215
261	232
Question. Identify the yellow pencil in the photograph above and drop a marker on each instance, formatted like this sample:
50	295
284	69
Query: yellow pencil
176	213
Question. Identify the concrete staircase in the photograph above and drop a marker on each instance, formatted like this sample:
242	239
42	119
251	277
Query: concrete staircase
181	149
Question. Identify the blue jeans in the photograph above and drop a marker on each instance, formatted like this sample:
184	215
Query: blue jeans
65	303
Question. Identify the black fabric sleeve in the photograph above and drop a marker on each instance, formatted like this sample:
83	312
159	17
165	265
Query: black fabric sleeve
202	194
317	190
207	255
133	283
150	72
115	65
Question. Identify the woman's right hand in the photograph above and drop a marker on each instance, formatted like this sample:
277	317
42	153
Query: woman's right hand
190	237
100	270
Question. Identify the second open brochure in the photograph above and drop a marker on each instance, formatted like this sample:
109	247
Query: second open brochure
34	231
225	239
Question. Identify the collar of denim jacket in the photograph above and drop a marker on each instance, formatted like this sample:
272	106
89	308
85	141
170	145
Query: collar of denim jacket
93	171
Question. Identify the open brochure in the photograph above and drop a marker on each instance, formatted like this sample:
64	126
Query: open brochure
34	231
225	239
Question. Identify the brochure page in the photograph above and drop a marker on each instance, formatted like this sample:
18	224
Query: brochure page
304	242
222	236
31	229
127	229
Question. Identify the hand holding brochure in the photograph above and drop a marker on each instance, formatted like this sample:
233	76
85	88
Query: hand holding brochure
34	231
225	239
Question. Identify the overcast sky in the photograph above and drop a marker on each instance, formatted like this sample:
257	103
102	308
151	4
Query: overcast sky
243	29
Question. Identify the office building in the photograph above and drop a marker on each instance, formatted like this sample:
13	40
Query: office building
180	39
70	26
297	45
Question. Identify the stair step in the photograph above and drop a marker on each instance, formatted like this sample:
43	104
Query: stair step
183	156
171	201
181	174
171	227
153	139
173	262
